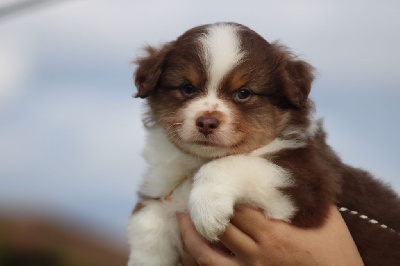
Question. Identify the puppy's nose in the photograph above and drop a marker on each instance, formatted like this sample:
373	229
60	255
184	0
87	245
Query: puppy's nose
206	125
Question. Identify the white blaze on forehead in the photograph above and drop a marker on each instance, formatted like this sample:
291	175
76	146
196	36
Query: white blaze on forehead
222	52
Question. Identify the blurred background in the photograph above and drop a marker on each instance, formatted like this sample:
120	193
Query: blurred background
71	134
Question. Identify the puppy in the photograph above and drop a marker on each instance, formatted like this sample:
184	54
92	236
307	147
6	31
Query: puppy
230	122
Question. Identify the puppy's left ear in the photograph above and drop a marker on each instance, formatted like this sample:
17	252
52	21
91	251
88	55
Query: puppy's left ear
150	68
297	76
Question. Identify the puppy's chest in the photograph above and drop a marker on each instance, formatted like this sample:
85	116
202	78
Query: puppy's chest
178	196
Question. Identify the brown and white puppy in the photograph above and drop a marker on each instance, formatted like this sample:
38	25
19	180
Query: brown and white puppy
230	122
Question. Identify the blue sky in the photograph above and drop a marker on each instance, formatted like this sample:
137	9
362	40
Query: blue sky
71	134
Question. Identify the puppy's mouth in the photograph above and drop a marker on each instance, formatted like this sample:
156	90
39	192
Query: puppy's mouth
213	145
206	143
219	144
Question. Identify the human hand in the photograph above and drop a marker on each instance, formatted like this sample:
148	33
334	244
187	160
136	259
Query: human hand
257	240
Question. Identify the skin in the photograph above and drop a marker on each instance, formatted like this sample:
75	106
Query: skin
265	241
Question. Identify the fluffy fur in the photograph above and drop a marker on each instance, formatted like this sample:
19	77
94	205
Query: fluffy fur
230	122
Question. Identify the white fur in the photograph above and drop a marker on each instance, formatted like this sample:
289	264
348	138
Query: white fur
238	179
167	164
277	145
149	235
189	132
207	104
221	48
153	232
301	136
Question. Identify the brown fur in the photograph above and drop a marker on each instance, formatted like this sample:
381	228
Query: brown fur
281	84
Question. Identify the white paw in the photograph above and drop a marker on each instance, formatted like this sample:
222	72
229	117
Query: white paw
210	213
238	179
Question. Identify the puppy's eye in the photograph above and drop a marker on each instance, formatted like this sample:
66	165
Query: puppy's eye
188	90
242	95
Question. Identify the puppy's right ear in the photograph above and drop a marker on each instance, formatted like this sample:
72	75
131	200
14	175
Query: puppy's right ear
149	69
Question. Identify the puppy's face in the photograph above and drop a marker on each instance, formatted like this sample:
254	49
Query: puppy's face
222	89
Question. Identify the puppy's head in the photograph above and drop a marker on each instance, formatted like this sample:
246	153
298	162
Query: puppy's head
222	89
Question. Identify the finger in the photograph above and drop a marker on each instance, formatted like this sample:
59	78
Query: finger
237	241
191	238
199	247
251	222
188	260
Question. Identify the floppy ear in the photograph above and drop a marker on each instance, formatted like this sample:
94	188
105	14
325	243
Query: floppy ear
297	76
149	69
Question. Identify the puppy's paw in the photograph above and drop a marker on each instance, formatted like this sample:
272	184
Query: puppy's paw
210	212
211	203
222	183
